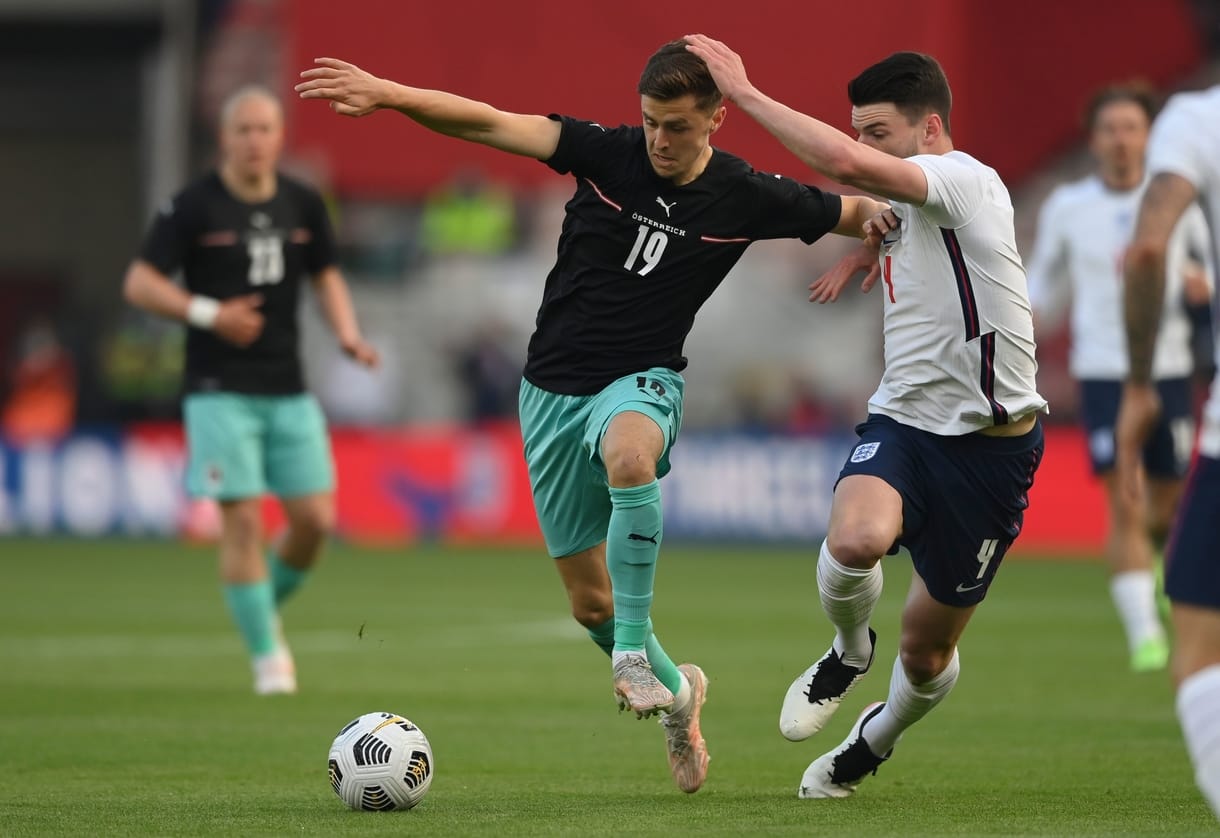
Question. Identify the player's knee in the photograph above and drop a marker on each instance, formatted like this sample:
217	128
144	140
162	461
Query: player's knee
591	608
315	522
242	523
1158	529
860	543
924	664
591	615
1126	513
630	466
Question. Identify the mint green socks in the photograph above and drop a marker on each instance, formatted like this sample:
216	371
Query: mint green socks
603	636
632	543
285	578
253	607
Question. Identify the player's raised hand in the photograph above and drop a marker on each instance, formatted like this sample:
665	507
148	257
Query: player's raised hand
350	90
726	66
239	321
362	352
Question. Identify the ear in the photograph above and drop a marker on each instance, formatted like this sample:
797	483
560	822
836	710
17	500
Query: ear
718	118
933	129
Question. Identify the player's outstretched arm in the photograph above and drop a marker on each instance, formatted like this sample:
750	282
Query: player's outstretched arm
857	216
352	91
820	146
336	302
1164	202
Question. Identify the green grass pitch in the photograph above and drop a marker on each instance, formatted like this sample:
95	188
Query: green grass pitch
126	709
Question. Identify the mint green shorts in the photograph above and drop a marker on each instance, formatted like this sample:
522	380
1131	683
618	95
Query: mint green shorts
562	436
242	446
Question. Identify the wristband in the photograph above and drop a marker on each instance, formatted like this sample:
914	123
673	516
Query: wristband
202	312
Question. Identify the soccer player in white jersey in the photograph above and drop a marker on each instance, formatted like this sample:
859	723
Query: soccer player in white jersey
948	453
1185	166
1083	229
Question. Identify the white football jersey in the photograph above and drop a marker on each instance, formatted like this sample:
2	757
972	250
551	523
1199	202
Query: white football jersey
1083	230
959	336
1185	141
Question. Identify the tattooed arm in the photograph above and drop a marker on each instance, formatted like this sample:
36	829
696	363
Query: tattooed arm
1166	200
1163	204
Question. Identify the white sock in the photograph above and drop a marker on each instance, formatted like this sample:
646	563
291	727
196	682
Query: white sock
1134	594
848	598
907	704
1198	704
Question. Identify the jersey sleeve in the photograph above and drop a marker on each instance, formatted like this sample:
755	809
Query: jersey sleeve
587	148
1177	147
320	253
785	209
165	244
955	188
1046	270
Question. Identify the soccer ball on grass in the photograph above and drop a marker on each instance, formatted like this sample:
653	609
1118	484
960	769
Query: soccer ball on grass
380	761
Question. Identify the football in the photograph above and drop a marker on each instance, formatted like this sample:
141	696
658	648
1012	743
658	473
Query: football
380	762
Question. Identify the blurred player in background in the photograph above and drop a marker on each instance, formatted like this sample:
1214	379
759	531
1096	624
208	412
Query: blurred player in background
245	237
1083	229
658	219
948	453
1185	167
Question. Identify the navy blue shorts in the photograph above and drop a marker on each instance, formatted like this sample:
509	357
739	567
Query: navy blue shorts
963	499
1167	453
1192	567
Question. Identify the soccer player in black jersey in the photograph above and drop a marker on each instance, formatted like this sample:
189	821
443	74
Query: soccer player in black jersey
245	237
658	219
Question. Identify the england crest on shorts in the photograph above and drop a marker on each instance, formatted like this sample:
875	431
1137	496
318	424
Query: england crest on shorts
864	451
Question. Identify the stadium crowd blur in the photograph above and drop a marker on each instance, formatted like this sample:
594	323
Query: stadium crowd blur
447	279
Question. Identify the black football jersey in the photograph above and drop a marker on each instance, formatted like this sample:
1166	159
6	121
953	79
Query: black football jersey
225	248
639	255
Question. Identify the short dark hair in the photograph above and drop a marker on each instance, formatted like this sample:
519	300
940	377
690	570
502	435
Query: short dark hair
914	82
1138	93
673	71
